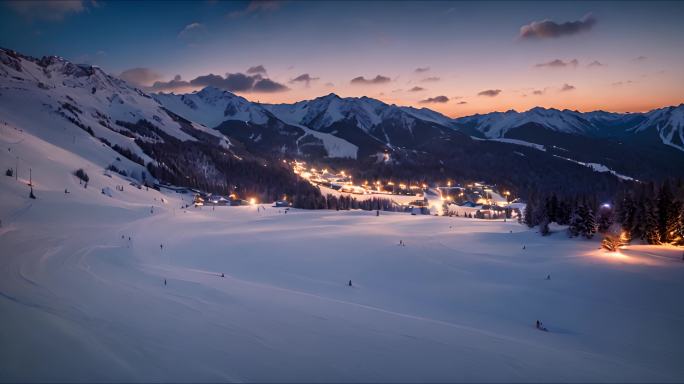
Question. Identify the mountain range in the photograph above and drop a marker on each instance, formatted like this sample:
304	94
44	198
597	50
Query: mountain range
538	148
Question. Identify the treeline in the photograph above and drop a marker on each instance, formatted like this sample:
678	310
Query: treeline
317	201
654	214
648	212
206	165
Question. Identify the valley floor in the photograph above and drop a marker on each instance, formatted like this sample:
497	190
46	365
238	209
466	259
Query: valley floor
79	301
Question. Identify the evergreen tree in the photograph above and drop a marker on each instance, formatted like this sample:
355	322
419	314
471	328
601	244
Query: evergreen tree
648	224
576	226
589	224
665	212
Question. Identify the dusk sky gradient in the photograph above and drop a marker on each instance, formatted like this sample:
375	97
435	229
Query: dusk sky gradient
452	57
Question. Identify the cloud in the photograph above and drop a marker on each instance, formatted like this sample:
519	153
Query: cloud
140	77
416	89
436	99
257	6
489	92
550	29
379	79
538	92
462	102
303	78
595	63
558	63
640	58
431	79
421	69
256	69
170	86
567	87
54	10
193	34
621	83
268	86
234	82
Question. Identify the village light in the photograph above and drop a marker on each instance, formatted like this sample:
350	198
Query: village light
252	201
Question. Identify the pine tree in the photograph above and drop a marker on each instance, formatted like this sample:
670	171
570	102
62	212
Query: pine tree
576	226
589	224
529	214
665	212
649	224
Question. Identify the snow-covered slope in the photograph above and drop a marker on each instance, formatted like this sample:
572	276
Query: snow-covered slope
668	122
496	124
55	85
259	296
212	106
366	112
66	103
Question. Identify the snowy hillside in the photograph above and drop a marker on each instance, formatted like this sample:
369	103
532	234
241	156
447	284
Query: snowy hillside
264	296
212	106
67	103
669	123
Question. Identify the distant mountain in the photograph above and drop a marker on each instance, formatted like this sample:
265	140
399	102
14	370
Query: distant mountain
217	140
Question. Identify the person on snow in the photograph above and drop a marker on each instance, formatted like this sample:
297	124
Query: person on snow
165	282
377	213
523	247
161	247
538	324
222	275
350	283
548	277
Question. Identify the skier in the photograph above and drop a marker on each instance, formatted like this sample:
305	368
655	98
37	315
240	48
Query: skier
523	247
222	275
377	213
161	247
350	284
165	282
66	191
538	324
548	277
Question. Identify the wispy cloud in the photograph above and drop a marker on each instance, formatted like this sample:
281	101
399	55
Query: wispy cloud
257	6
256	69
431	79
193	34
421	69
595	63
558	63
435	100
379	79
489	92
303	78
550	29
567	87
416	89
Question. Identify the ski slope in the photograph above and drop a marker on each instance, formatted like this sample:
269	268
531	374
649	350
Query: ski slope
458	303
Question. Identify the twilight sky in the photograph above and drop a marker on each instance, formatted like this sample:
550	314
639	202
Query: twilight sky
458	58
